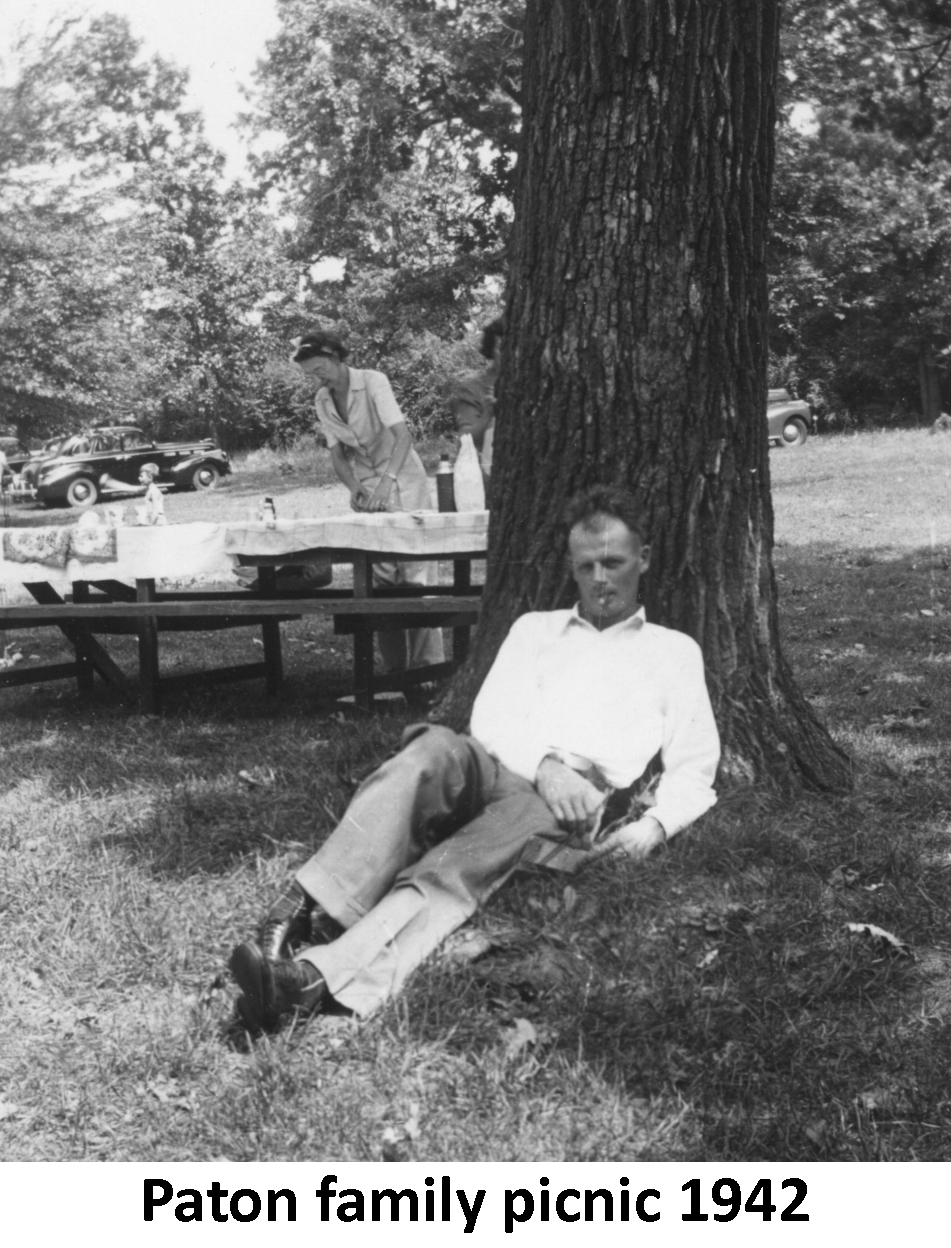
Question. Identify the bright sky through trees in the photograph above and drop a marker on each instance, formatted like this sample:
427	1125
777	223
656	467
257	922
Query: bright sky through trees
217	41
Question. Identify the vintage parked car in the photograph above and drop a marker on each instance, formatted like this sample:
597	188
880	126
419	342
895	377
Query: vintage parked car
790	420
107	461
30	470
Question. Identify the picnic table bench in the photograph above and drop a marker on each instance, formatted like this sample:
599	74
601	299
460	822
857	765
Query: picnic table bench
84	595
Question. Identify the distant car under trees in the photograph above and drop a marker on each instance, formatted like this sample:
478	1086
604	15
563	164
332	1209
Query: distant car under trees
108	461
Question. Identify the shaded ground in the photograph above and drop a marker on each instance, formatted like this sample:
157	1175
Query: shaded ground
713	1004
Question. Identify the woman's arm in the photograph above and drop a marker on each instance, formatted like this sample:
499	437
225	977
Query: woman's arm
401	447
359	495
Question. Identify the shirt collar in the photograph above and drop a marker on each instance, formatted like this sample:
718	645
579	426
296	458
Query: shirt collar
358	381
634	623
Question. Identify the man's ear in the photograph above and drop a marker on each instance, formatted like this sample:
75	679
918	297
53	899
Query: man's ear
645	556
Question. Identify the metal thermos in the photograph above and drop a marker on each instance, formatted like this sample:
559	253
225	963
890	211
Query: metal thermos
445	491
269	512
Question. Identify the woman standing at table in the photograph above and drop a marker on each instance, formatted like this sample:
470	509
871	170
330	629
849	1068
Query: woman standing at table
373	455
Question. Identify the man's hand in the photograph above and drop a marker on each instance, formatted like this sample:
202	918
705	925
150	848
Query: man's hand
633	840
574	801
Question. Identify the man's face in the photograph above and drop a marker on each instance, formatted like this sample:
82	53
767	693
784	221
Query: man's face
607	560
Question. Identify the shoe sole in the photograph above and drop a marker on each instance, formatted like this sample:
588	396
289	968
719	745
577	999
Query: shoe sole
247	968
248	1021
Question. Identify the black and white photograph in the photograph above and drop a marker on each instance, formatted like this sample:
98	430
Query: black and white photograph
475	551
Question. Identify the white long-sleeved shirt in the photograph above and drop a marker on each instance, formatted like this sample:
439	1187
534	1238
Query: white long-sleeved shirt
615	696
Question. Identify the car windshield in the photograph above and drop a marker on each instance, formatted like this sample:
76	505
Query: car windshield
134	440
77	445
103	442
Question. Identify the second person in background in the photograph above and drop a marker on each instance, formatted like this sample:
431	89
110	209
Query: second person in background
473	401
372	452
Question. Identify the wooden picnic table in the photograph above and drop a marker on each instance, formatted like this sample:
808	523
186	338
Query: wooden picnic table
94	583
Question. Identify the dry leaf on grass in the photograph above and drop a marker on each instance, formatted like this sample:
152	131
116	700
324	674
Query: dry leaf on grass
470	943
879	1100
8	1110
411	1125
899	723
258	778
518	1037
843	877
879	934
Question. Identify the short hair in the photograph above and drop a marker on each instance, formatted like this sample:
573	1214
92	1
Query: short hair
604	500
319	342
490	333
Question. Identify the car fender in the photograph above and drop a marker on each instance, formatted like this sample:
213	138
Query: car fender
60	476
185	467
778	413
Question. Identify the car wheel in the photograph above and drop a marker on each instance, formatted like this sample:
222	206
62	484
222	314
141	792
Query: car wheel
82	492
795	432
205	477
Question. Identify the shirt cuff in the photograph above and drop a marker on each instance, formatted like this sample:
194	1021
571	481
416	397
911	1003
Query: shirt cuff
526	761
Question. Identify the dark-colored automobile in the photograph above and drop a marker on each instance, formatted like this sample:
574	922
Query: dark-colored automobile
790	420
30	470
107	461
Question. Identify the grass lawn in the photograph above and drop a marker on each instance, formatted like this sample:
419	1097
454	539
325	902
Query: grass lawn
711	1004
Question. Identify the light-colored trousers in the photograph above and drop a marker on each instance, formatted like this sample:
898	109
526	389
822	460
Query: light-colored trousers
427	838
411	647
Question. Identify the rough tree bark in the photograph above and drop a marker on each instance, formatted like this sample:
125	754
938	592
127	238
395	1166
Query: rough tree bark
635	350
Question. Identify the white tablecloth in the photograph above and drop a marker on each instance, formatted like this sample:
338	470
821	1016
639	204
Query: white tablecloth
210	551
400	532
163	551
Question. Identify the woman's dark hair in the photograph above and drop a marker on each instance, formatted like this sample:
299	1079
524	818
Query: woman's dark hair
604	500
495	329
319	342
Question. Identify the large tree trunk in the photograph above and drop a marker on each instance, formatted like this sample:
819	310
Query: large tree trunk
635	350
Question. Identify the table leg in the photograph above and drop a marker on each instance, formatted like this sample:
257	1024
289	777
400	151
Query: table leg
363	670
363	641
72	630
148	651
271	633
461	584
84	667
362	575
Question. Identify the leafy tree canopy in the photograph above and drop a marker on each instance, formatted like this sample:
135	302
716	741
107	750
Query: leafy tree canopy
134	284
861	252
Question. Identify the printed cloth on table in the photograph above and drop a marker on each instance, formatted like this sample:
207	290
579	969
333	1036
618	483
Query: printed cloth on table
44	546
94	543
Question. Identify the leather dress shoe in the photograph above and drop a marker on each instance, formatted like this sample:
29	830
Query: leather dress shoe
287	920
272	989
